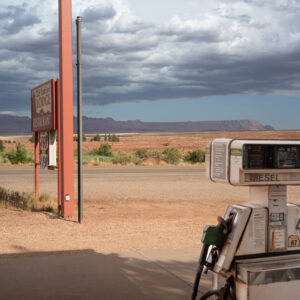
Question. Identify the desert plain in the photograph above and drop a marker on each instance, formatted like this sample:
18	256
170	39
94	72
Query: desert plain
127	207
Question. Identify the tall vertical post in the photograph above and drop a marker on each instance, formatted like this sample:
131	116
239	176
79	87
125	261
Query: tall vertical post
57	98
36	164
66	111
79	119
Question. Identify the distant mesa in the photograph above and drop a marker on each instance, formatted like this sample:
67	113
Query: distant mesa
10	125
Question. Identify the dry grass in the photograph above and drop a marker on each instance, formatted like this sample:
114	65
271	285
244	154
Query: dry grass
26	201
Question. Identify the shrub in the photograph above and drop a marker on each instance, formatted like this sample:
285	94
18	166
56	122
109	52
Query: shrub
104	150
32	138
27	201
21	155
97	138
114	138
2	147
195	156
141	153
75	138
172	156
154	153
125	158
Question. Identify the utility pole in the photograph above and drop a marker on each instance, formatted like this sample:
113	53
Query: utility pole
79	119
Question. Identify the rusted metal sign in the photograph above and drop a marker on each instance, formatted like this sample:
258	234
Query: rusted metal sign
44	149
47	153
43	107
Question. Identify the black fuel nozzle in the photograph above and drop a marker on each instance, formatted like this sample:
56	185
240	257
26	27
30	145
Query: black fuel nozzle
212	236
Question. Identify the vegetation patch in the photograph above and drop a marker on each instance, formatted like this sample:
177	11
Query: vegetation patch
20	155
141	153
97	138
27	201
75	138
126	158
172	156
95	159
103	150
111	138
195	156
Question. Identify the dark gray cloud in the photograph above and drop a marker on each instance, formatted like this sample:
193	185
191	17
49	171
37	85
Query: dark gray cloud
92	15
238	47
17	18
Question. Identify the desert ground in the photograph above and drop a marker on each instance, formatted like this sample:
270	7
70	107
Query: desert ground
128	208
160	141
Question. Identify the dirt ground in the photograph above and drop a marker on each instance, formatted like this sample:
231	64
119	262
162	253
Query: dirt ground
184	142
133	214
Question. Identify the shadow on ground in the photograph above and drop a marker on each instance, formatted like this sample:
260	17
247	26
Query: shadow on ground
86	274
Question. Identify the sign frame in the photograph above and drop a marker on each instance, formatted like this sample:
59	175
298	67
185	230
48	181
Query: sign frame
51	124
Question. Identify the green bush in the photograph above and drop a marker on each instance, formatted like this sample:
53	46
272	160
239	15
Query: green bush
2	147
104	150
114	138
125	159
195	156
32	138
154	153
111	138
21	155
75	138
141	153
172	156
97	138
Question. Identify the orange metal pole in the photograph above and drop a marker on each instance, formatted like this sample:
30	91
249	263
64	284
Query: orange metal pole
66	107
36	164
57	98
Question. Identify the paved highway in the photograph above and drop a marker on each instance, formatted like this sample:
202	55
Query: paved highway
96	171
113	182
105	170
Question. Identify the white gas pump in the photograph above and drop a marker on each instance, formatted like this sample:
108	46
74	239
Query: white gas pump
255	250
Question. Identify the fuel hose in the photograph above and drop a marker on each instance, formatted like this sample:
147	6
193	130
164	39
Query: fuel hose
202	260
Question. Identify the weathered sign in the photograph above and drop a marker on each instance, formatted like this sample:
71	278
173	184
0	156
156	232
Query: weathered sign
43	107
44	149
47	149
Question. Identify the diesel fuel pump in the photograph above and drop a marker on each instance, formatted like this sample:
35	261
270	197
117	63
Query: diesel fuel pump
254	251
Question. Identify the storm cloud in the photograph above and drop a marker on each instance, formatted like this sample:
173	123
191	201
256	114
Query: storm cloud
228	47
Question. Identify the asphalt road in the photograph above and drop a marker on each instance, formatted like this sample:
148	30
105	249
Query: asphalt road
21	171
111	182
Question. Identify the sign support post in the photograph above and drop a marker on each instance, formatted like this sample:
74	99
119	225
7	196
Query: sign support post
66	107
79	120
57	97
36	164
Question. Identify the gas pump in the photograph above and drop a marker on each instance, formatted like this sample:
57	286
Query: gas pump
254	251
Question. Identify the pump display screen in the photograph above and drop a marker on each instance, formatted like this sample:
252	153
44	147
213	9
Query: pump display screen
271	156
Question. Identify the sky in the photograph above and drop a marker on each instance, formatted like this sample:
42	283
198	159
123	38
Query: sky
161	60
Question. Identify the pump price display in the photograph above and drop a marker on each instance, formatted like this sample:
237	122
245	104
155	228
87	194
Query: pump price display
271	156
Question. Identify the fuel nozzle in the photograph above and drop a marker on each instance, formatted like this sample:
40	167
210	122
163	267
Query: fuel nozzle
215	235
